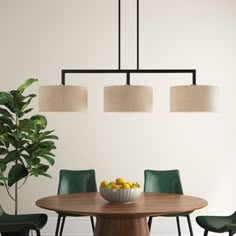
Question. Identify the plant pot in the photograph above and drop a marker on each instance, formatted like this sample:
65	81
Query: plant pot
16	233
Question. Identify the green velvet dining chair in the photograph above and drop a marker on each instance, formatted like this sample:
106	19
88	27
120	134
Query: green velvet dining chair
75	181
21	224
218	224
165	181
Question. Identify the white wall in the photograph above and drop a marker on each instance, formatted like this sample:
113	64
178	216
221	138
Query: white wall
39	38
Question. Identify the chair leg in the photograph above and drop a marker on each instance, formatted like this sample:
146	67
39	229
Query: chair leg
92	223
230	233
190	225
58	224
38	232
205	232
26	232
62	225
178	225
150	223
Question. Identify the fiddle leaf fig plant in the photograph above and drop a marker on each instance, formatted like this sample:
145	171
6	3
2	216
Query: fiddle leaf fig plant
26	146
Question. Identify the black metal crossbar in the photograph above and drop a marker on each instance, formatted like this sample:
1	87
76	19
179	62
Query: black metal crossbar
127	72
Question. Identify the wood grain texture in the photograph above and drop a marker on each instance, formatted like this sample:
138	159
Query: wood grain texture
121	219
125	226
147	205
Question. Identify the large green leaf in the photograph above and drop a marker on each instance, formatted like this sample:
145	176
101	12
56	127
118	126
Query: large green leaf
6	121
49	159
43	136
5	98
3	166
3	151
51	137
47	144
39	170
33	162
18	102
2	177
39	122
16	173
27	101
5	113
12	156
11	106
27	83
45	174
12	140
25	125
44	151
27	111
3	138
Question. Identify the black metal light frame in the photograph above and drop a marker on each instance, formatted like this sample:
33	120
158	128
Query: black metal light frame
127	71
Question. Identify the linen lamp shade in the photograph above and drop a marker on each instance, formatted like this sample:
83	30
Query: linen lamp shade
63	98
194	98
128	98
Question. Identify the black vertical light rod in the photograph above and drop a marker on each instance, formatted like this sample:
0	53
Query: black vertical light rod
119	37
63	79
194	77
128	79
137	34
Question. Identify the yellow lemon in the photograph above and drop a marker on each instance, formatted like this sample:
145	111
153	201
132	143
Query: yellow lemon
138	185
133	186
120	181
109	186
116	186
103	184
129	183
125	186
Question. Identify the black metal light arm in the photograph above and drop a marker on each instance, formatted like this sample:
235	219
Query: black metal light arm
128	72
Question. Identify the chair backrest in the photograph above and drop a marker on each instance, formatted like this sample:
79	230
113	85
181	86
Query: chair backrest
163	181
76	181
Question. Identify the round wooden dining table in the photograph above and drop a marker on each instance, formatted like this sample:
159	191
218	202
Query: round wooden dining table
121	219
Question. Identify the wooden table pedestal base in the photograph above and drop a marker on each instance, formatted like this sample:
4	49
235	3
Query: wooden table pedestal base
121	226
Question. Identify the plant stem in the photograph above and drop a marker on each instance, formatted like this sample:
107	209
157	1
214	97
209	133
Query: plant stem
16	184
16	199
7	189
23	182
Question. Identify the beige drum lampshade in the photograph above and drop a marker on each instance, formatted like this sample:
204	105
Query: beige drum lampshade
63	98
194	98
128	98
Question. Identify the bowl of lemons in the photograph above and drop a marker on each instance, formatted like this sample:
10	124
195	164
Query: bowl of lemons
120	191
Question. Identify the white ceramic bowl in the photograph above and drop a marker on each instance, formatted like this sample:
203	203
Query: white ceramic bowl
120	196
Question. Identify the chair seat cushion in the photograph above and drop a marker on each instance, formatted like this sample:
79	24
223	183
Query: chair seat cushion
218	224
18	222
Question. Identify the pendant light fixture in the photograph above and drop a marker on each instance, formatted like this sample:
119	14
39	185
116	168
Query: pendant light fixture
194	98
127	97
